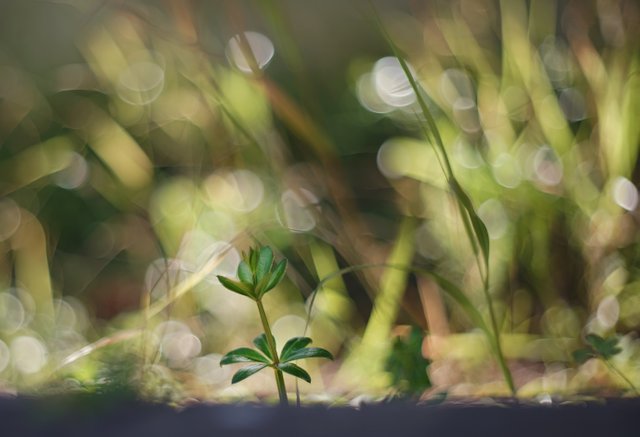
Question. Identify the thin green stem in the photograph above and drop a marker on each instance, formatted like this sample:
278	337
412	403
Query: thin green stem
502	362
618	372
282	391
472	223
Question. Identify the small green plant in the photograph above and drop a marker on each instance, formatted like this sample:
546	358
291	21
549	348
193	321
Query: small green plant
258	275
407	365
604	349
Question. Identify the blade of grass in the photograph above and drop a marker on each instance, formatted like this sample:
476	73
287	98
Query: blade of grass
472	222
117	337
190	281
447	287
613	368
301	123
368	357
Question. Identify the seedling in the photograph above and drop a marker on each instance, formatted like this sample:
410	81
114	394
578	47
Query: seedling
407	365
258	275
604	349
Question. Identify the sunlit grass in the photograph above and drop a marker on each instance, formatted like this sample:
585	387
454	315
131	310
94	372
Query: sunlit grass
162	142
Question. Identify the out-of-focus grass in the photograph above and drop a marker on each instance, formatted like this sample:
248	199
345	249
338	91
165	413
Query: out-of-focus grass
142	146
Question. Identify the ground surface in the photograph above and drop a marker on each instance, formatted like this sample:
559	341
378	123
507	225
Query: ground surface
26	417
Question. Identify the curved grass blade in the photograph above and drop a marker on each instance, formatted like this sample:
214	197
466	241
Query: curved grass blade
243	355
292	345
115	338
612	367
447	287
308	352
263	345
194	278
246	372
433	132
479	236
478	225
454	292
295	370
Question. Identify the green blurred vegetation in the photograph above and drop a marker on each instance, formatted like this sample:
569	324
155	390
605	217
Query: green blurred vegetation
144	145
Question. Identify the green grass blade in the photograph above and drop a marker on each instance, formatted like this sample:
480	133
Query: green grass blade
471	220
446	286
368	357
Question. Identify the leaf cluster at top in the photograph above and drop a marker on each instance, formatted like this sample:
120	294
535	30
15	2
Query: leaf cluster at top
257	274
597	347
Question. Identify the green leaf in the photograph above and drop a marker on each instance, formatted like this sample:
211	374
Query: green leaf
253	259
294	370
243	355
261	343
582	355
606	347
276	276
246	372
263	266
461	299
260	286
481	232
236	287
477	224
309	352
292	345
615	350
594	340
479	229
609	347
406	364
244	273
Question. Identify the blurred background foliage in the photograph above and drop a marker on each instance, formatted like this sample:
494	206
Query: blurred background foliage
145	144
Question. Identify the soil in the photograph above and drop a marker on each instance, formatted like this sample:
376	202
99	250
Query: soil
108	416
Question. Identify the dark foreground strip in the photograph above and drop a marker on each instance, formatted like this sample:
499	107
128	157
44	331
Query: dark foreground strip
123	418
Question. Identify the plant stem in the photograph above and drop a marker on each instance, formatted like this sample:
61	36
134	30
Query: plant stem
502	362
484	273
282	391
467	212
618	372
